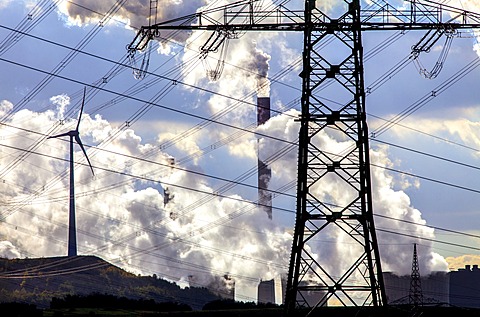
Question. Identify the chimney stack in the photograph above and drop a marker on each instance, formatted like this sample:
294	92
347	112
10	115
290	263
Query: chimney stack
264	172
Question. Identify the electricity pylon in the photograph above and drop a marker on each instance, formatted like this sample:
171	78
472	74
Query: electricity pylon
333	98
72	229
415	296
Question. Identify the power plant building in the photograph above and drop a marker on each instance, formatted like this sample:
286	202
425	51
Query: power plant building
465	287
266	292
435	288
459	288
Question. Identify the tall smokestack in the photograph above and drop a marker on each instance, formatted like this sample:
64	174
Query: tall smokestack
264	172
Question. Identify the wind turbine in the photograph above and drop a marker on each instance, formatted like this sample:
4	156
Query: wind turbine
73	134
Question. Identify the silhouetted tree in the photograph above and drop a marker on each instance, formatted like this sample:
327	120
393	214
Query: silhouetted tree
19	309
226	304
110	301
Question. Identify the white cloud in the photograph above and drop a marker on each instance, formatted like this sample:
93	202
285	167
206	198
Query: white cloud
4	3
396	250
62	102
135	14
8	250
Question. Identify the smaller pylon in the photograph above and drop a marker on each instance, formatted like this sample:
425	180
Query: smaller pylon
415	296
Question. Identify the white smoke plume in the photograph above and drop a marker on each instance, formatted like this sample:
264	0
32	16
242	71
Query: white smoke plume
238	83
8	250
61	101
134	13
124	219
260	60
392	205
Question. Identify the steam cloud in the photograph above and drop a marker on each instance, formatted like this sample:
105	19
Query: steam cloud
133	211
135	13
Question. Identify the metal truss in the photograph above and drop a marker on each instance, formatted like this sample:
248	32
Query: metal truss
334	213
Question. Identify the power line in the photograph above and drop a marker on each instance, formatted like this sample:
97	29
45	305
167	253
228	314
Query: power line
428	154
145	178
429	226
477	191
186	113
469	67
274	192
77	50
429	239
427	134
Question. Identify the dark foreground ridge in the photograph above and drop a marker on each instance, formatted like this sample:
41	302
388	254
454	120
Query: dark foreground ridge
38	281
90	286
26	310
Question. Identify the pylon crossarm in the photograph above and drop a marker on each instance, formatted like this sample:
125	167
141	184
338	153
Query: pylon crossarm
422	14
242	16
239	16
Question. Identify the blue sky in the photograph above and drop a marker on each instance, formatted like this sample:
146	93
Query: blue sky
121	212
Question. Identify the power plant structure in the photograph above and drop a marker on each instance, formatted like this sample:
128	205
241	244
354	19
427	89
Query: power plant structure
264	171
460	288
435	289
333	97
266	292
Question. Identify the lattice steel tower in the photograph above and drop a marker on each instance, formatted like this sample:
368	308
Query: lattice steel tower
333	99
415	296
349	217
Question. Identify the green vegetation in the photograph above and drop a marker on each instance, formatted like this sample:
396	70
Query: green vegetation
37	281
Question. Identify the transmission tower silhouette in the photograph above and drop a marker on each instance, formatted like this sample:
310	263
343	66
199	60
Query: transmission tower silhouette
415	296
333	98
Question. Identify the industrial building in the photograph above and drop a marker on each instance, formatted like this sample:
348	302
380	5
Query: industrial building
266	292
456	288
465	287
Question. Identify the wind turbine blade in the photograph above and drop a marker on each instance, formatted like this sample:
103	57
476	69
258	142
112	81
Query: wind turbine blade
77	138
81	109
59	135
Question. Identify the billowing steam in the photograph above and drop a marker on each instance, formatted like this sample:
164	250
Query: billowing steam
260	67
134	13
124	219
390	204
8	250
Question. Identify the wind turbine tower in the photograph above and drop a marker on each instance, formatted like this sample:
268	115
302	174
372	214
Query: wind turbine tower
73	134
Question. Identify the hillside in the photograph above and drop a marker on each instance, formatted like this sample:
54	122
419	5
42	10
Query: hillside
37	281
